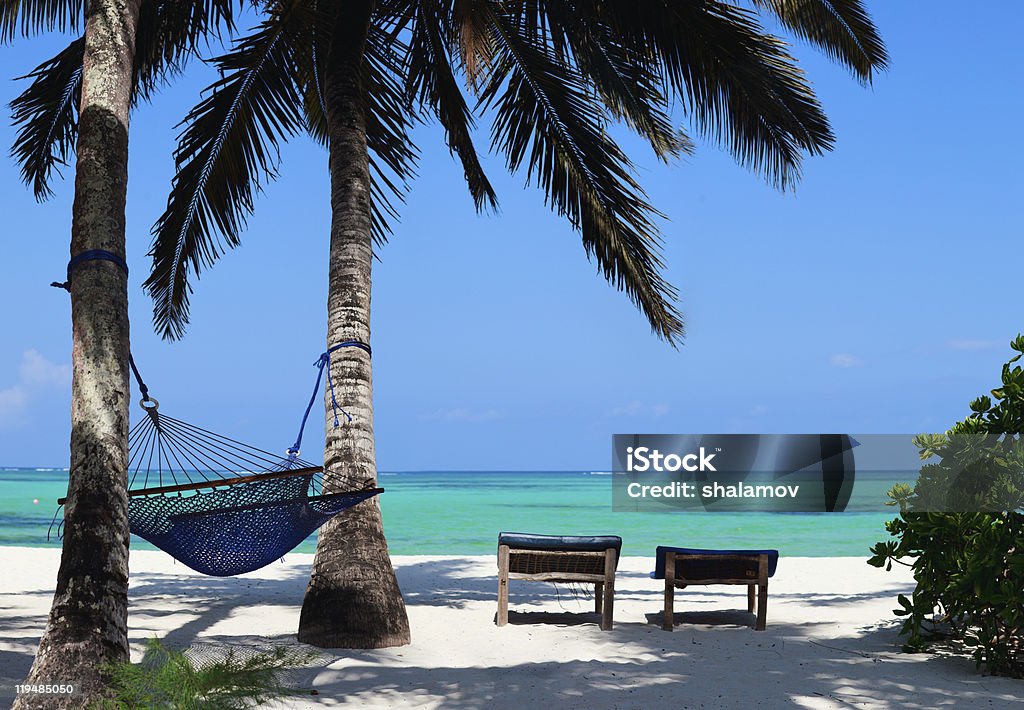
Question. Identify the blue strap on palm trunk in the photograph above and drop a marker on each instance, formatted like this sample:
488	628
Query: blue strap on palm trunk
90	255
103	255
324	362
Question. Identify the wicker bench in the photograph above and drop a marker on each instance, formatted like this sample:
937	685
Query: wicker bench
682	566
560	558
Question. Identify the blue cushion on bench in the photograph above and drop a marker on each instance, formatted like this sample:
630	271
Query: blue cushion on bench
659	566
567	543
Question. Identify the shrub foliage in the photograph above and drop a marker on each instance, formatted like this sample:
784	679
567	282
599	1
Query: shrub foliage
968	560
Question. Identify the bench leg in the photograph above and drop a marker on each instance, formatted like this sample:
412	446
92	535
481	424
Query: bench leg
502	618
598	591
668	615
762	607
762	593
608	597
750	598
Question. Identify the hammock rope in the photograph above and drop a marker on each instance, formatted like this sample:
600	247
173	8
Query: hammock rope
220	506
322	362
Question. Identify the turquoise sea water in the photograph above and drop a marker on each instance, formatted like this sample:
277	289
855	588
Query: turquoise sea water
461	513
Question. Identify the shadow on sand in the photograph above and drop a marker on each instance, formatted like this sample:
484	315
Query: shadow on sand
712	659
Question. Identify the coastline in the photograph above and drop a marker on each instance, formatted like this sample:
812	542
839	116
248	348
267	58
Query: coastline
831	640
477	505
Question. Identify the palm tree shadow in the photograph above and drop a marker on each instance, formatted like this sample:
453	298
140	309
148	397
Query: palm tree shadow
781	667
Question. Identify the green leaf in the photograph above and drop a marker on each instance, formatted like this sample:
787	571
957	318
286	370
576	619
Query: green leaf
228	148
34	17
841	28
46	114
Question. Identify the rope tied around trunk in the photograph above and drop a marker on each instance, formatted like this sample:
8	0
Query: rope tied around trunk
104	255
321	363
90	255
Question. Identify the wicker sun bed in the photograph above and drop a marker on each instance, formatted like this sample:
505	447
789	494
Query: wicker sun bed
682	566
560	558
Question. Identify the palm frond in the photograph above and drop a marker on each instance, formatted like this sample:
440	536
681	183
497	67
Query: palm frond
627	81
472	39
228	148
546	118
32	17
740	84
311	79
389	118
841	28
46	113
430	80
171	32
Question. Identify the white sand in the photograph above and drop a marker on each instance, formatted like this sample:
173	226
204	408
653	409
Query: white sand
831	640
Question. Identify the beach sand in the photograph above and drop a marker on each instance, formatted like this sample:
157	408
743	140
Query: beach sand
831	640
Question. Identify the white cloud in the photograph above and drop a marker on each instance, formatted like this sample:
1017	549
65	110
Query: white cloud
37	370
973	344
35	374
844	360
637	408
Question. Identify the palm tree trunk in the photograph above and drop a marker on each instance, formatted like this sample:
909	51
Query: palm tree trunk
88	621
353	599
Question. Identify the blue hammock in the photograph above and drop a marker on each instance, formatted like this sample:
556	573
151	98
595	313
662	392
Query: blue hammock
215	504
241	527
222	507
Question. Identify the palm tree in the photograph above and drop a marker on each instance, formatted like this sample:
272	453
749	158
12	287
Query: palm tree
550	76
80	100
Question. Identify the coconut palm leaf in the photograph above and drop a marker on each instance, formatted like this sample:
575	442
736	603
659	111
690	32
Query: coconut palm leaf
170	32
46	113
627	81
739	83
47	110
841	28
472	42
553	76
431	83
546	118
228	149
389	119
33	17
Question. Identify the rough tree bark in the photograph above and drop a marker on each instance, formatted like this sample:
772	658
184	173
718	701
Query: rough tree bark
88	621
353	599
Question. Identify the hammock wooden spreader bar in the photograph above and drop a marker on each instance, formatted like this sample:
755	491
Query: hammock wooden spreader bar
217	483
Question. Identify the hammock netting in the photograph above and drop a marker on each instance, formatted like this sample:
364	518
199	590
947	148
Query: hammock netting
222	507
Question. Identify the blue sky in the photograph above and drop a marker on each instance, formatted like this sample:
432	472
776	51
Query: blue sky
879	297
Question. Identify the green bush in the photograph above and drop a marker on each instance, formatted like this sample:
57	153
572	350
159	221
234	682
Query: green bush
170	680
968	565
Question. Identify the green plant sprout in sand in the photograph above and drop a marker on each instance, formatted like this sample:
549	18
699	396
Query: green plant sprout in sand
168	678
967	563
